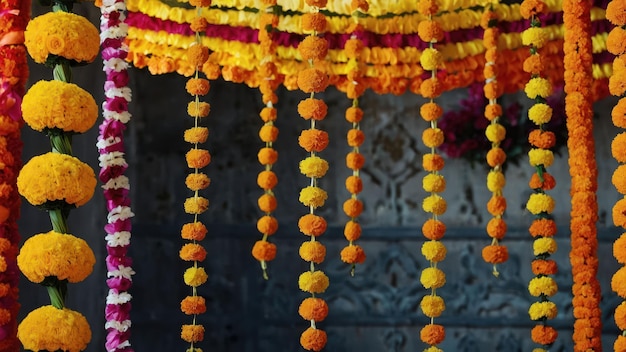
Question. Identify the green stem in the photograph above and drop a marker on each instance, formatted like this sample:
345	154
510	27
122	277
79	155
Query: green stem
62	72
58	218
61	143
57	297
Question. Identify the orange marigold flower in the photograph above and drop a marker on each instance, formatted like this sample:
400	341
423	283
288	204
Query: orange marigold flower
542	139
197	54
353	254
314	309
361	5
313	140
192	333
197	86
267	225
192	305
353	48
195	231
312	225
267	203
544	267
355	137
616	13
431	88
432	334
488	19
430	111
433	229
530	8
353	207
434	204
432	162
199	24
267	179
312	251
547	184
355	161
264	251
312	108
312	80
268	133
620	343
316	3
197	181
616	41
315	22
618	114
196	135
268	114
542	228
620	316
617	83
432	137
495	157
427	7
313	339
196	205
192	252
543	334
618	282
354	184
352	230
496	205
495	254
619	179
267	156
354	114
492	111
493	90
496	228
198	158
313	48
198	109
430	31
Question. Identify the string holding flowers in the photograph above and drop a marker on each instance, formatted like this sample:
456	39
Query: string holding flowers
197	158
540	204
263	250
313	79
57	181
432	278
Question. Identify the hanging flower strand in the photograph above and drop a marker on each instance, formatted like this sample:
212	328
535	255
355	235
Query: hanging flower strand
540	204
495	253
263	250
195	231
434	251
313	50
353	254
614	13
116	184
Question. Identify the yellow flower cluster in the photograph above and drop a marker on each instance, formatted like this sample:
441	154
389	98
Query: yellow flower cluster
63	256
538	87
495	181
540	113
62	34
434	183
537	36
61	105
432	278
434	251
543	285
544	245
312	196
50	329
435	204
195	276
540	203
314	166
313	281
54	176
539	156
432	306
541	310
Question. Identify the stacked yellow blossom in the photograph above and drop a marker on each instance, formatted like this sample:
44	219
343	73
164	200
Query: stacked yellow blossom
434	251
615	45
313	49
353	254
540	156
495	253
263	250
57	181
197	158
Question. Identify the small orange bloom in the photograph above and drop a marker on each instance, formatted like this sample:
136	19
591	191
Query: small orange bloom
355	137
197	86
430	111
354	115
354	184
197	55
432	162
353	207
267	225
432	137
312	251
427	7
618	114
544	267
314	309
432	334
530	8
312	225
313	48
196	135
267	156
268	133
316	3
616	41
352	254
496	205
312	80
353	48
192	252
548	182
198	158
542	228
542	139
198	109
264	251
430	31
431	88
312	108
199	24
267	179
492	111
313	140
496	228
495	254
268	114
352	230
534	64
197	181
192	333
355	161
267	203
315	22
544	335
192	305
433	229
616	13
313	339
495	157
195	231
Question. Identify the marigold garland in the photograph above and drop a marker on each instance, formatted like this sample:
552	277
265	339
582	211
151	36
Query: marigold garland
540	204
313	79
197	55
433	229
615	14
263	250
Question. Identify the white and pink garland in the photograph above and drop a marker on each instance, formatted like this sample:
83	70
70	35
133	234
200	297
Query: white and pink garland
116	185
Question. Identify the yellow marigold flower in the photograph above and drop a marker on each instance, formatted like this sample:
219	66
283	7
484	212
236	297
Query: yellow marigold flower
63	34
198	109
192	333
313	281
540	310
196	135
495	133
196	182
495	181
540	203
544	245
54	254
433	349
312	251
314	166
540	113
538	87
434	183
196	205
539	350
431	59
538	156
55	176
544	285
434	204
535	36
195	276
313	196
57	104
432	278
51	329
432	306
434	251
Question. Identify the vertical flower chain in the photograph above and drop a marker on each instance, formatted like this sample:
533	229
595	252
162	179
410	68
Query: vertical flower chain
614	13
353	254
495	253
263	250
577	49
540	204
197	158
313	79
433	229
13	76
116	184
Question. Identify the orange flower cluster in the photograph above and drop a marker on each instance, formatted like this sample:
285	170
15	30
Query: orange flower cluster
615	14
434	251
263	250
543	228
354	254
495	253
195	231
577	50
314	79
